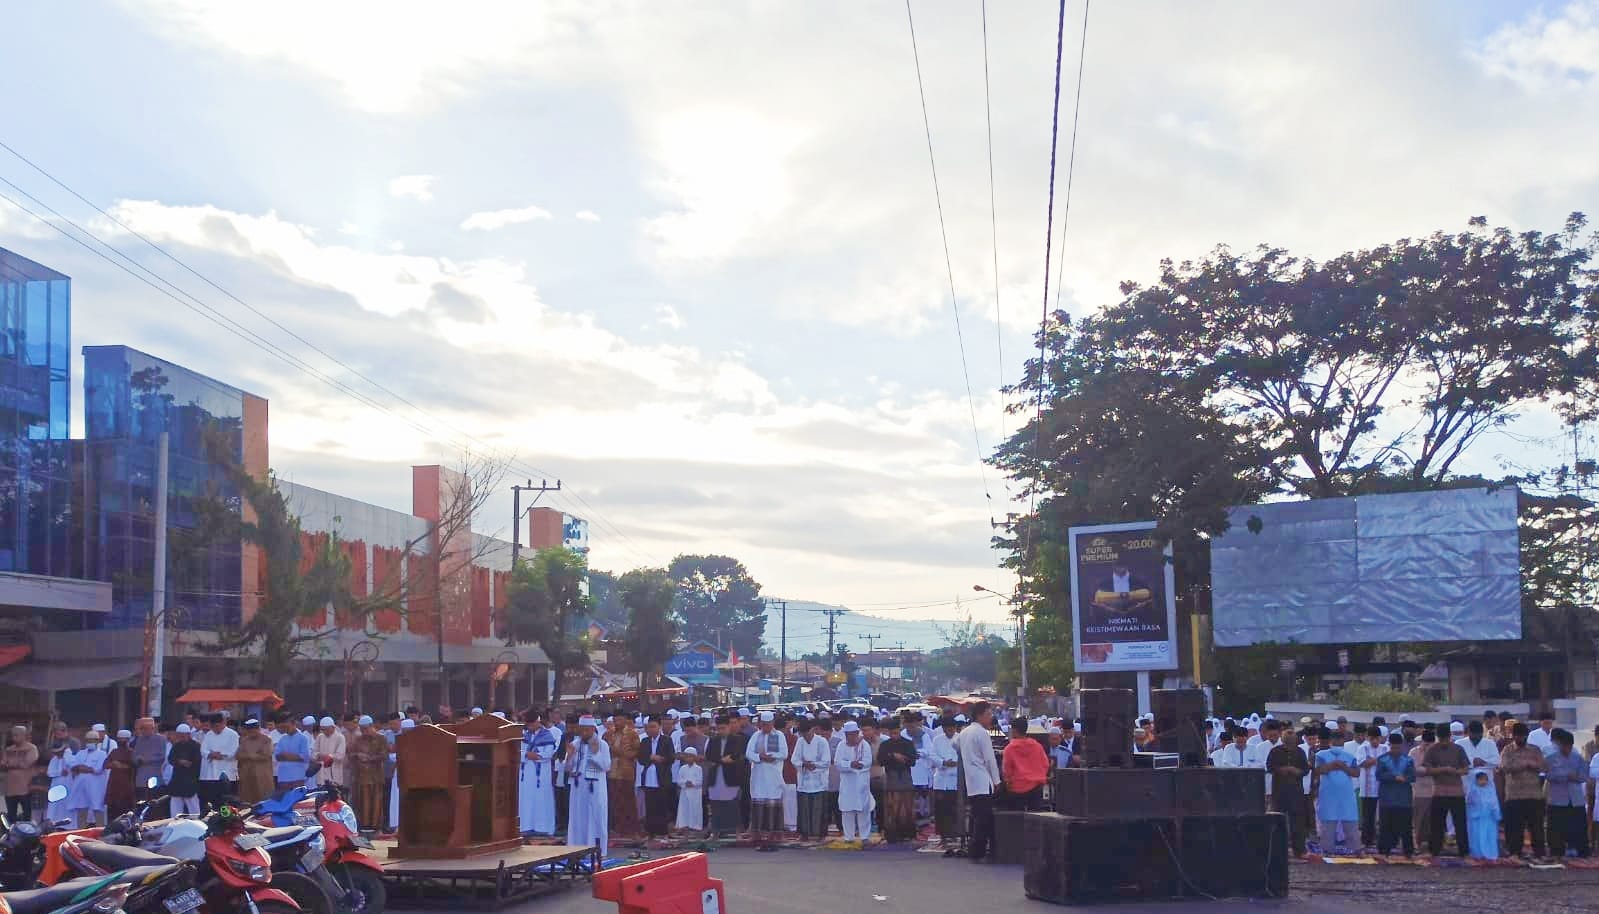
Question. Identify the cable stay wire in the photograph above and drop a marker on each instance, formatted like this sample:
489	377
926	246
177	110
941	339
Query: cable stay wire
993	229
949	266
188	300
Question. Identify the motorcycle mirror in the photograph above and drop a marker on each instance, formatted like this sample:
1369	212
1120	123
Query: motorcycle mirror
152	782
57	793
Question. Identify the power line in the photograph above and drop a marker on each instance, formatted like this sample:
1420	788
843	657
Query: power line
993	221
250	336
949	265
1071	164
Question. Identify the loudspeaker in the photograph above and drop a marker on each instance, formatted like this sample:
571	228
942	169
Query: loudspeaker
1235	856
1071	860
1180	723
1220	791
1008	838
1114	793
1107	737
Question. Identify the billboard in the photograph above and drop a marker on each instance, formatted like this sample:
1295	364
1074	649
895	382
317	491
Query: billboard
575	533
1124	612
693	666
1413	566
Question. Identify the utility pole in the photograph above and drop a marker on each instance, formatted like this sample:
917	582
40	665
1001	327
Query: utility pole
831	614
157	626
516	511
871	647
782	663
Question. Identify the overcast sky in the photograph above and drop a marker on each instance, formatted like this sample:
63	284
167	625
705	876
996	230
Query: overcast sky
686	257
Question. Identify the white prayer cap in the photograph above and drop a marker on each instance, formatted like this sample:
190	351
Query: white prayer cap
587	720
767	717
1056	731
99	728
851	726
124	734
252	722
745	712
960	719
185	728
1457	727
1269	717
407	723
365	720
308	721
690	750
477	712
673	713
325	722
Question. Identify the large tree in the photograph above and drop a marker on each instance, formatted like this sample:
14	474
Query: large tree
545	602
648	595
719	602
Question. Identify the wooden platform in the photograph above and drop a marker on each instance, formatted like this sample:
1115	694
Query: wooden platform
488	881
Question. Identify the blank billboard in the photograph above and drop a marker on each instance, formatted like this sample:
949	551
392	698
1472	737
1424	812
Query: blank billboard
1416	566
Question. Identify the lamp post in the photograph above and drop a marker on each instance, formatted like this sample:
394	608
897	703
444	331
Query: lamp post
1021	636
362	653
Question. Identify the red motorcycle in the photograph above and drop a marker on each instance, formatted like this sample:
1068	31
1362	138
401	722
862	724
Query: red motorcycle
240	870
359	875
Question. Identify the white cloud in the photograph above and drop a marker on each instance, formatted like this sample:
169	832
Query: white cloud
587	215
349	228
493	220
668	317
1546	50
417	187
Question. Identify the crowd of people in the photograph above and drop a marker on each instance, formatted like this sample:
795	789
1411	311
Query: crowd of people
1495	787
769	777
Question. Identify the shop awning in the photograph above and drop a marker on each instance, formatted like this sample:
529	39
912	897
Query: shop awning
67	677
218	699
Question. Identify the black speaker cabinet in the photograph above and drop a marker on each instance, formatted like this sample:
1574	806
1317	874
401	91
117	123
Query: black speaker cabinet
1107	737
1235	856
1114	793
1007	846
1220	791
1071	860
1180	723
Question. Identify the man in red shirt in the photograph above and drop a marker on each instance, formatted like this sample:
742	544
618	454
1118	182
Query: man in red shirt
1025	768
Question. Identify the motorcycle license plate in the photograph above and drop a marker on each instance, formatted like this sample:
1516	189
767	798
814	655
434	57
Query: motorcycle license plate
363	843
304	819
184	901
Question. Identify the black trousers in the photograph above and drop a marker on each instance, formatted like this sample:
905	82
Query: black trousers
1368	821
19	808
1031	801
980	809
1296	806
657	811
1395	826
944	813
1522	816
1567	828
1444	807
563	805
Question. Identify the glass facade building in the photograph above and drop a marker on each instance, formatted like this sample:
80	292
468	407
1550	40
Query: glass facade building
37	463
130	398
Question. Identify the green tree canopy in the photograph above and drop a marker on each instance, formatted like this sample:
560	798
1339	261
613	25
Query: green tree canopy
546	601
647	594
719	602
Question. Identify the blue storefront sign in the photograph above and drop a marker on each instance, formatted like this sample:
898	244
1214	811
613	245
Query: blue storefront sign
693	666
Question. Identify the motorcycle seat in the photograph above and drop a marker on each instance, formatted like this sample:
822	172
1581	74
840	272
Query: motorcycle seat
145	875
112	857
50	898
283	833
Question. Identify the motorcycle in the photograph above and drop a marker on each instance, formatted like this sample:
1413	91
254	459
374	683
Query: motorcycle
78	896
357	876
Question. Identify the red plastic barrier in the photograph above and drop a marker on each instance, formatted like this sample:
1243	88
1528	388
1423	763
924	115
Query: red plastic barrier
680	884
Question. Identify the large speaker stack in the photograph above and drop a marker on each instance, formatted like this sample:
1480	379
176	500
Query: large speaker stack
1122	830
1180	723
1107	737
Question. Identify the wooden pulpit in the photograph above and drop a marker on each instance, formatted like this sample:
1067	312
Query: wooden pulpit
458	788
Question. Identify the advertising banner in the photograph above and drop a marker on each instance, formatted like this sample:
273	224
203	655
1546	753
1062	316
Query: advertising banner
697	667
1124	611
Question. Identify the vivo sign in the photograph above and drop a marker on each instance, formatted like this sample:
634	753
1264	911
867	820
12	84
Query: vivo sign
692	666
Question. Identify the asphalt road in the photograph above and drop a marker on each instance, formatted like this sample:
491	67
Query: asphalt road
841	882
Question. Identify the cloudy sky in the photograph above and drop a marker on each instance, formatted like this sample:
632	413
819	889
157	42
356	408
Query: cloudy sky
686	257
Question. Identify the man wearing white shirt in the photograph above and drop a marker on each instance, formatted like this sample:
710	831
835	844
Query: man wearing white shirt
1367	753
813	756
766	751
945	761
219	766
1541	736
1255	753
1232	754
922	768
589	761
976	749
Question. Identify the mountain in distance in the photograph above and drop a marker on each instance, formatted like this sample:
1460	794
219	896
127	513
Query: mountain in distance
807	629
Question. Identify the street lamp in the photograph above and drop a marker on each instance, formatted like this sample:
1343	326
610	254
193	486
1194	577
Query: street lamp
1021	636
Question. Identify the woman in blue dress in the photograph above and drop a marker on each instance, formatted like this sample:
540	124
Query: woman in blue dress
1337	804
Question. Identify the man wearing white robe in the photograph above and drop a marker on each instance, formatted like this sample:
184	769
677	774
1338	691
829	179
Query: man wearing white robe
922	768
590	765
766	751
1255	754
394	782
945	761
536	794
853	760
59	770
86	796
1232	755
